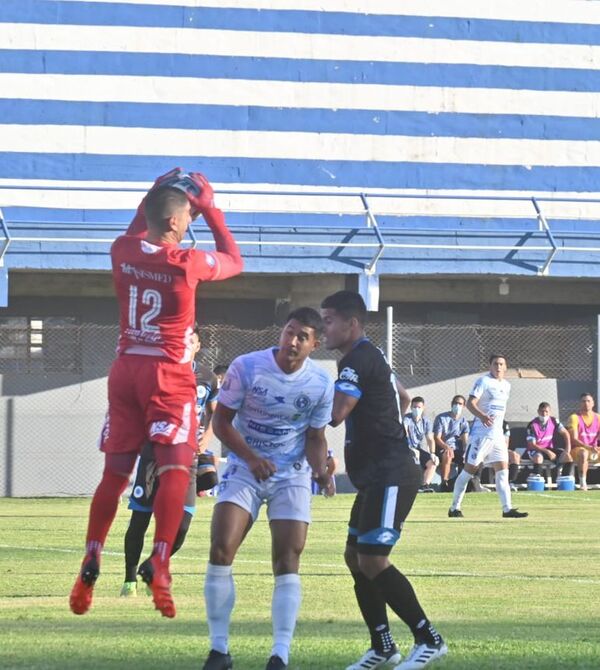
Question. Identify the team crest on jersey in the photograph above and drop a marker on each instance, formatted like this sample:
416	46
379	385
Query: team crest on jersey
350	375
302	402
201	391
138	492
297	466
210	261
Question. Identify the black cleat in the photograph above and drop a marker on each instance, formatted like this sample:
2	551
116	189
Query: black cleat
218	661
455	513
275	663
514	514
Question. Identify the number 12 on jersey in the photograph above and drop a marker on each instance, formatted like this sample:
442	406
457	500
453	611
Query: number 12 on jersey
150	298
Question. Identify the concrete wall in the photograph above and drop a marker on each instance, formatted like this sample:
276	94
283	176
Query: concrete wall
48	440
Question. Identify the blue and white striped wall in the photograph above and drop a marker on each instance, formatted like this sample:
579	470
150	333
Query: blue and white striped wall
449	114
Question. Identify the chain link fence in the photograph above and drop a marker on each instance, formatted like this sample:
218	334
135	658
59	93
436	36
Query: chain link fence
53	375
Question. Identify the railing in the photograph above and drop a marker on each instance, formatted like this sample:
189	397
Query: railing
398	210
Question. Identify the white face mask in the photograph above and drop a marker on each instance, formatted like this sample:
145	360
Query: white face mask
543	419
416	412
457	410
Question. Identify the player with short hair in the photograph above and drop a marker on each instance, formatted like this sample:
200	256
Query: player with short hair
384	469
419	432
146	482
271	413
540	441
451	432
487	445
584	429
151	385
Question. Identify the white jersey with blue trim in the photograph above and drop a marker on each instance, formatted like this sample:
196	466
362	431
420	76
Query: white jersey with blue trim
492	397
275	409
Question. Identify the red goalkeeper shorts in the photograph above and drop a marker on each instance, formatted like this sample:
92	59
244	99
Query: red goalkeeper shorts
149	399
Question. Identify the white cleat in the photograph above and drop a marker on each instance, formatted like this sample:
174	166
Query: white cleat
373	659
421	655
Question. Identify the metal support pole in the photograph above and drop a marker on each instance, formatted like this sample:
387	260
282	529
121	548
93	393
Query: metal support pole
389	344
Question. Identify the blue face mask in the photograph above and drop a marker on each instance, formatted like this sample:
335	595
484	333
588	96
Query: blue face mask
416	412
457	409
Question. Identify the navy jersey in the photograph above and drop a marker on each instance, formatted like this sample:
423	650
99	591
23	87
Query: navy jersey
376	449
207	389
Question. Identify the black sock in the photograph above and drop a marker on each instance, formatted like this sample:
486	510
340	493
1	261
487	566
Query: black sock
184	526
537	469
401	597
134	542
513	472
372	608
569	468
427	634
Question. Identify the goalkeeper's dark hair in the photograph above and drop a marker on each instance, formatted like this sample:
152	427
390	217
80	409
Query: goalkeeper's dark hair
348	304
307	316
161	204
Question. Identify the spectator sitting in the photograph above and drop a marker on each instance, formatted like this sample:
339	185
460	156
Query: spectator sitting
540	441
420	436
450	432
584	429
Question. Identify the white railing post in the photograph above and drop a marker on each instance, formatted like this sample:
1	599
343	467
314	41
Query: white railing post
389	344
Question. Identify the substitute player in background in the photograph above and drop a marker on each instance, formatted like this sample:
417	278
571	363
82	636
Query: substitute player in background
151	385
386	473
146	482
272	411
487	444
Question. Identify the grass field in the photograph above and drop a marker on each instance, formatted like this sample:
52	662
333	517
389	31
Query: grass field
504	593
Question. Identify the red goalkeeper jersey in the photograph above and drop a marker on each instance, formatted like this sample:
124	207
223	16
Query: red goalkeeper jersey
156	287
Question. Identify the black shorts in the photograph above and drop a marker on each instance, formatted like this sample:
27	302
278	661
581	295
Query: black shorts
424	457
146	484
378	515
528	454
458	455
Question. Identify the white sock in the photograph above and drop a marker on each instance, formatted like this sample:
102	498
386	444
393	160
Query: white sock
503	489
284	612
219	596
582	480
460	486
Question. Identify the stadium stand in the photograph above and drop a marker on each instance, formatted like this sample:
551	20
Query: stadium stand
471	130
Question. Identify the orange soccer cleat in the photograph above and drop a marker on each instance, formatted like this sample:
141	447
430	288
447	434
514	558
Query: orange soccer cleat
80	599
155	574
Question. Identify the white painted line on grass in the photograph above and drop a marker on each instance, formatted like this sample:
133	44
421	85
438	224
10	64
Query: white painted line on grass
412	573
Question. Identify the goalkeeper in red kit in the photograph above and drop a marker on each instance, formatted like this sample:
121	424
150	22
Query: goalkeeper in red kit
151	385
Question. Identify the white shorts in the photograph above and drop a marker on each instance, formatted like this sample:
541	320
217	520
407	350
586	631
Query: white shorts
486	449
287	499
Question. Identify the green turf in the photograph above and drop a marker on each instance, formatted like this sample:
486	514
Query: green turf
505	593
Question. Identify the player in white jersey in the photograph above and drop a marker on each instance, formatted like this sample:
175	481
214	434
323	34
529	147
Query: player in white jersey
487	402
272	411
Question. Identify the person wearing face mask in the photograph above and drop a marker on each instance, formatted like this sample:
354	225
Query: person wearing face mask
420	436
540	441
451	432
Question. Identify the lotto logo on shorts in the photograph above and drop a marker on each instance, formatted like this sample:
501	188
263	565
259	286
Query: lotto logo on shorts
162	428
385	538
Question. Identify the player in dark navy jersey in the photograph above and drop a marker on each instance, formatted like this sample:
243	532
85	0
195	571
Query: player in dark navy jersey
384	469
